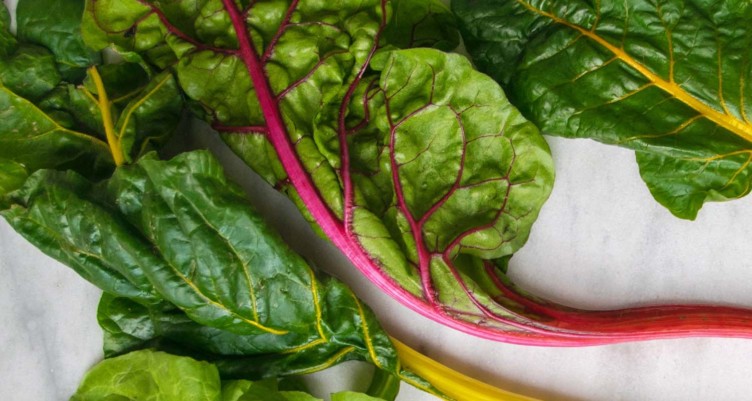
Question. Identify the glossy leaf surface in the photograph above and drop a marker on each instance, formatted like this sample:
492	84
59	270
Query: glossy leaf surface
58	29
179	232
669	79
411	162
48	121
7	40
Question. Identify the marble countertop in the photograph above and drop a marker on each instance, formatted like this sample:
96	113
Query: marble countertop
601	242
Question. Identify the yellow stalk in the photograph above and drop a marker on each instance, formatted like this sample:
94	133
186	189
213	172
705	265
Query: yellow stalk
450	382
105	109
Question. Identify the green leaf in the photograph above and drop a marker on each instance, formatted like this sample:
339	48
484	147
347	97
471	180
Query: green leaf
159	376
31	72
667	79
34	139
413	163
56	25
150	117
351	396
7	40
148	375
422	23
57	212
179	229
12	176
127	324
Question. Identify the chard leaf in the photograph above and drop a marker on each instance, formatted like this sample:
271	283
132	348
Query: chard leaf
422	23
31	72
150	375
7	40
669	79
48	121
12	176
55	24
189	265
411	162
33	138
159	376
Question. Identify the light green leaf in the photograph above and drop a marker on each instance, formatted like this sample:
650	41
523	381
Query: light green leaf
148	375
351	396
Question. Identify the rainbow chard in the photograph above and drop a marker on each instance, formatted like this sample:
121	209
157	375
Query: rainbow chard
411	162
669	79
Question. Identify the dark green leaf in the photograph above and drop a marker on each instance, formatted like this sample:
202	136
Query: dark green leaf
422	23
56	25
668	79
57	212
180	229
12	176
31	72
7	40
34	139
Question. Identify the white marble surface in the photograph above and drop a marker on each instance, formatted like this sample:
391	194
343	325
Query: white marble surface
601	242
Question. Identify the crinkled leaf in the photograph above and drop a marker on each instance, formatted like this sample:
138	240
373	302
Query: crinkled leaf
668	79
12	176
7	40
411	162
57	212
158	376
179	229
422	23
148	375
30	72
33	138
150	116
65	129
56	24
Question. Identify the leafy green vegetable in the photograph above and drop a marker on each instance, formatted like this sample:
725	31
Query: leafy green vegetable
150	375
57	28
179	232
48	121
411	162
7	40
12	177
667	79
31	72
158	376
422	23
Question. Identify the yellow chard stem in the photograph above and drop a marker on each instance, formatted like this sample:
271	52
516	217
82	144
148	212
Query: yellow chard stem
452	383
104	108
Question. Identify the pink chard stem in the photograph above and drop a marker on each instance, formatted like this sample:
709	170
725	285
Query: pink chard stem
531	321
